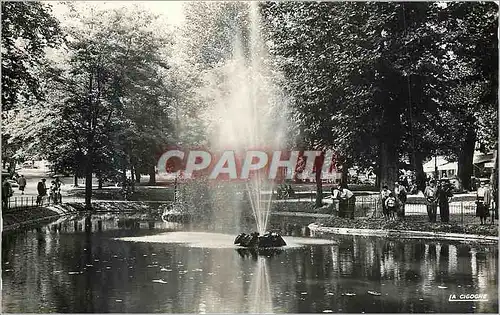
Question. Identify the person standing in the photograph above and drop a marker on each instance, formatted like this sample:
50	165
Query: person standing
57	193
402	195
52	192
444	196
347	202
483	201
384	194
6	193
42	192
22	184
430	194
391	204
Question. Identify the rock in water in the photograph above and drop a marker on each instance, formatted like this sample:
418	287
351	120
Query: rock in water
260	241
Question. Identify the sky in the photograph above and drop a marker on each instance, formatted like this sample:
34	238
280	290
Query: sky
172	10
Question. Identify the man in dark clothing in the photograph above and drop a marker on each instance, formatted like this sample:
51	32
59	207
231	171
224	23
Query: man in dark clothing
444	196
6	194
22	184
42	192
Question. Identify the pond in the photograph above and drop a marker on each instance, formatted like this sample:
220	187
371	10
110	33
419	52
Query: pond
118	264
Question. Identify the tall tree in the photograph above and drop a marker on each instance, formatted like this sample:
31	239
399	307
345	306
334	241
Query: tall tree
28	28
110	81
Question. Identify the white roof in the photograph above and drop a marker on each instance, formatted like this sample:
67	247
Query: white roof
442	165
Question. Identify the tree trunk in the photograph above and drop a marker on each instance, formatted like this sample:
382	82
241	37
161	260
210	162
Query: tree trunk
99	181
388	164
137	174
466	158
319	185
12	166
419	171
152	174
344	175
88	183
132	177
376	172
76	180
319	190
124	174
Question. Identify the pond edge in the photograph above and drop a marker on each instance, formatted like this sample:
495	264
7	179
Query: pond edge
316	228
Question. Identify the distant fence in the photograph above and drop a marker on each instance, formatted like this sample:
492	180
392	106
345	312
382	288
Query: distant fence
371	206
28	202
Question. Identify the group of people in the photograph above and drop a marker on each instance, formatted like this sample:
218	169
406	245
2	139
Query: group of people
54	191
441	195
393	202
438	195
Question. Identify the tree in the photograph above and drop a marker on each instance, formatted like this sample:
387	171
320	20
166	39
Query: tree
28	28
473	38
110	80
369	79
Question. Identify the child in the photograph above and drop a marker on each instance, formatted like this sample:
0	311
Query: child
53	192
391	206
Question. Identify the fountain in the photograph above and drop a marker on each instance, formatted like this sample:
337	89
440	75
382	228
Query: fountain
250	111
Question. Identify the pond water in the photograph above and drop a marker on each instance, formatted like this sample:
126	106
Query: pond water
108	263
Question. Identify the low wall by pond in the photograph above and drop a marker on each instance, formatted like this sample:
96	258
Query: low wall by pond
318	230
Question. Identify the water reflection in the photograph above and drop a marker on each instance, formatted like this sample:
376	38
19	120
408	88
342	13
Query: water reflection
78	266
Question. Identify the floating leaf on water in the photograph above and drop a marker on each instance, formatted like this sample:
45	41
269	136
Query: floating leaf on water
442	287
159	281
374	293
